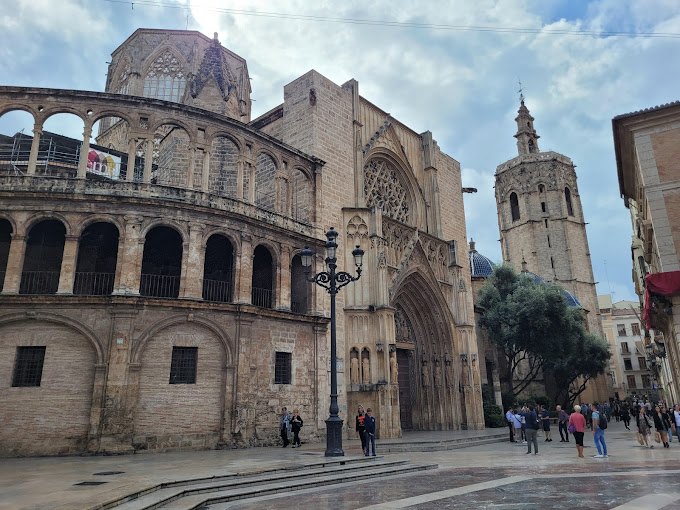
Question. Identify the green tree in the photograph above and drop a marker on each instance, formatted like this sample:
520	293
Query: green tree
582	357
535	331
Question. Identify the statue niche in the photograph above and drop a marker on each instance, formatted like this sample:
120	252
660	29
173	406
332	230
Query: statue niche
354	366
365	366
394	368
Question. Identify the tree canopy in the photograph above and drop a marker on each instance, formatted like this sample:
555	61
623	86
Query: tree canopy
531	325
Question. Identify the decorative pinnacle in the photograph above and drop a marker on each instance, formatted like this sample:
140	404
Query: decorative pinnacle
521	95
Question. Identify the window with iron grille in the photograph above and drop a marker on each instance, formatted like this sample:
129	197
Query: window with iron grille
28	366
282	368
636	329
628	365
183	366
621	329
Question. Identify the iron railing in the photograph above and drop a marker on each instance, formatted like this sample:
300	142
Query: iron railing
93	284
298	306
217	290
261	297
39	282
156	285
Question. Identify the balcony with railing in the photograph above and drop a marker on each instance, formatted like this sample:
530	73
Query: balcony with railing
217	291
156	285
93	284
298	306
39	282
262	297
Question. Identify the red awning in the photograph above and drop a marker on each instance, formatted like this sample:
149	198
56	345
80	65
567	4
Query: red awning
663	284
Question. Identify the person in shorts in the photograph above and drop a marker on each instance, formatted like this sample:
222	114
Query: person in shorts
545	421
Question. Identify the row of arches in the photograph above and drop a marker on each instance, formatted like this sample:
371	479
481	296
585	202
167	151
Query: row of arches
97	264
515	209
121	146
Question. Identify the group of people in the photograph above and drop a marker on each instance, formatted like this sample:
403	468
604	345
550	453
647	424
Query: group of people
290	423
525	423
365	428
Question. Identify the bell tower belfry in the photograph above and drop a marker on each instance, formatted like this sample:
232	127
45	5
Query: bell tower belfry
527	139
541	223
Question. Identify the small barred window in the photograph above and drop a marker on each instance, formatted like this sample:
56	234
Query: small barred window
28	366
183	366
282	368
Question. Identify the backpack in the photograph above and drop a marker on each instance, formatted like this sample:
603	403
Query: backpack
602	422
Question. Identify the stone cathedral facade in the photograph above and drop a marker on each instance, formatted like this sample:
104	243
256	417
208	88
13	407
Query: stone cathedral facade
542	227
153	295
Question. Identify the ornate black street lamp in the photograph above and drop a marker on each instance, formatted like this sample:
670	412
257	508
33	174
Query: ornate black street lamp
332	281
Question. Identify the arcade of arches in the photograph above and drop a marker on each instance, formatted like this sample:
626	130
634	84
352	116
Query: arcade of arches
152	296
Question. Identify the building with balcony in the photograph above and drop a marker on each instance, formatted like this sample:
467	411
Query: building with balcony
632	373
153	295
647	147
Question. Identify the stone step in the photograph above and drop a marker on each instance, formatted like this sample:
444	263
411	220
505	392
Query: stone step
215	499
163	493
437	446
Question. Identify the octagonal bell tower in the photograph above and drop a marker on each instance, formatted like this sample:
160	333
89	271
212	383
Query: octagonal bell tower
541	221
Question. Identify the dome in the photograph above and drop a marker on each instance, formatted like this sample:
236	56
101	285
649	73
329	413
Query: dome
572	302
480	266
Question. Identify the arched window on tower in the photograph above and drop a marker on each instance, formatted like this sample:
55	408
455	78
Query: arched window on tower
42	261
514	206
97	257
161	263
541	188
218	274
567	196
532	148
165	79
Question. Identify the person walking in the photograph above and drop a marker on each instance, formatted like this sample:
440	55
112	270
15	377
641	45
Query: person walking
510	416
517	424
361	427
284	426
670	421
531	429
661	424
676	416
644	425
369	423
545	421
577	425
625	416
599	420
295	425
562	420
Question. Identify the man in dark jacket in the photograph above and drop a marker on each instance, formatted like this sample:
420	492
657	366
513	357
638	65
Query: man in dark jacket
369	424
531	428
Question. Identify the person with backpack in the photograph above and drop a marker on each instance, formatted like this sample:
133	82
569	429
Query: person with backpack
599	420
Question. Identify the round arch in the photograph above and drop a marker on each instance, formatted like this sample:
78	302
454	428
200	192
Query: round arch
12	107
264	150
58	319
108	112
56	110
225	134
227	343
33	220
164	222
175	123
222	232
98	218
10	219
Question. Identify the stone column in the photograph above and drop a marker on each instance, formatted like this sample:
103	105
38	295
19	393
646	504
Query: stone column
206	172
191	282
15	264
98	390
132	156
277	198
148	160
84	151
35	144
244	283
240	168
251	183
192	168
68	265
128	265
284	283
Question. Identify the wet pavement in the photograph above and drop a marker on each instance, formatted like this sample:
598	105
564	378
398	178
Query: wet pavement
498	475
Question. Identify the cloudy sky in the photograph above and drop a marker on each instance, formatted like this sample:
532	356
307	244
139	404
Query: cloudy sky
458	80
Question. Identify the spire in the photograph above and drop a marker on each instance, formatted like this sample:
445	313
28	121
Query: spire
527	139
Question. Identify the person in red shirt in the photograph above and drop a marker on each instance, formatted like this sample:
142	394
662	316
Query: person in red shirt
577	426
361	427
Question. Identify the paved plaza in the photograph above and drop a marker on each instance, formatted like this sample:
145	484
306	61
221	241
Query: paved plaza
498	475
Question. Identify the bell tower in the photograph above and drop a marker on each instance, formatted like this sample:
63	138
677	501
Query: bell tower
541	223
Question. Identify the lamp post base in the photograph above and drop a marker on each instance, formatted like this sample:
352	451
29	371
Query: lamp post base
334	437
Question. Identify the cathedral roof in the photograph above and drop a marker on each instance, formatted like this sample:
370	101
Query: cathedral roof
480	266
572	302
